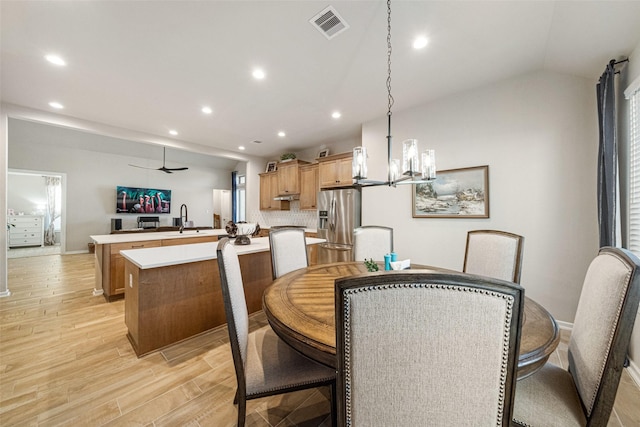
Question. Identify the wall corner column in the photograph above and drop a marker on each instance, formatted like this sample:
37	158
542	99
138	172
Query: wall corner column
4	148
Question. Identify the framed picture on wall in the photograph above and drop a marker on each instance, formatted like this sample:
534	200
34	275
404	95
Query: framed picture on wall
271	166
455	193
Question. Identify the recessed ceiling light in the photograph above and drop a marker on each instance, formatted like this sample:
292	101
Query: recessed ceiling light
207	110
55	59
258	74
56	105
173	132
336	114
420	42
282	134
241	147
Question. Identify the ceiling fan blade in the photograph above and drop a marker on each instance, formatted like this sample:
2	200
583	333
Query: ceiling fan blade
163	168
141	167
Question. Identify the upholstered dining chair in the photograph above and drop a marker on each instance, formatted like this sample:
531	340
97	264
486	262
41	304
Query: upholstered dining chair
426	349
264	364
493	253
584	394
288	248
372	242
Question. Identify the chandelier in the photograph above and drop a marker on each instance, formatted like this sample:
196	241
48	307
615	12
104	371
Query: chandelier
417	168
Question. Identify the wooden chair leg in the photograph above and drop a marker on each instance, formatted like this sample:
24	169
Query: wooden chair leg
242	412
334	407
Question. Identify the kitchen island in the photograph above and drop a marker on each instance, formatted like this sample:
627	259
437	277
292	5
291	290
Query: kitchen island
173	292
109	275
109	279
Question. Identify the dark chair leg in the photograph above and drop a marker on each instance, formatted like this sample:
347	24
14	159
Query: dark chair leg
242	412
235	399
334	407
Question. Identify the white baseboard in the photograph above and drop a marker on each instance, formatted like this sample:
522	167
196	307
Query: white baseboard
564	325
76	252
6	293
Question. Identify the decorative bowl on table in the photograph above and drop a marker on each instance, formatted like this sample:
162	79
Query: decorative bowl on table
242	239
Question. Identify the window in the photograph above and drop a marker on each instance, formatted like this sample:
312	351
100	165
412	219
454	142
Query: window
634	167
239	197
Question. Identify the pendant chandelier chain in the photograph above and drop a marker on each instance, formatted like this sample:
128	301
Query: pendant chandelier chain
389	96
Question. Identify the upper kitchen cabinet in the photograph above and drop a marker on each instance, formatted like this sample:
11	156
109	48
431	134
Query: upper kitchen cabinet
269	191
309	186
289	177
335	171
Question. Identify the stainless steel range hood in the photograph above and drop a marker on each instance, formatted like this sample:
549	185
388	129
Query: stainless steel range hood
289	198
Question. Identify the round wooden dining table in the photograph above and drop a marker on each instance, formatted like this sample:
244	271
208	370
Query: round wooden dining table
300	307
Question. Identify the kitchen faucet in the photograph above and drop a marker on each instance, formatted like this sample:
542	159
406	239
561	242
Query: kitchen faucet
183	219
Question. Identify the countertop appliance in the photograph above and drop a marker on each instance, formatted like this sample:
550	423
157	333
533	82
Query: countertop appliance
338	215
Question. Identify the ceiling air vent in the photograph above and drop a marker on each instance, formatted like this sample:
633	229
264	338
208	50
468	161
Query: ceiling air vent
329	23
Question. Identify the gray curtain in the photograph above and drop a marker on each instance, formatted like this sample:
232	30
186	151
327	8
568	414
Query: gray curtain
52	210
607	157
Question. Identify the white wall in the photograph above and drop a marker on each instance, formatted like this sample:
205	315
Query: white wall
4	291
340	146
92	178
27	194
538	134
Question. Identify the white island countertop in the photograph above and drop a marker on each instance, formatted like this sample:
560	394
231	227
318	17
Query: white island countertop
106	239
181	254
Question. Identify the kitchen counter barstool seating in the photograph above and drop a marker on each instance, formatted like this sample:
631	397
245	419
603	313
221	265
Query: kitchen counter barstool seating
408	349
288	248
584	394
372	242
493	253
265	365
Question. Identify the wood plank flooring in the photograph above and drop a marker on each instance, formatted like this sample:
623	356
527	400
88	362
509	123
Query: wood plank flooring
65	361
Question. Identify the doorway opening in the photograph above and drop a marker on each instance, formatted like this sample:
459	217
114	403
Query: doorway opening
35	217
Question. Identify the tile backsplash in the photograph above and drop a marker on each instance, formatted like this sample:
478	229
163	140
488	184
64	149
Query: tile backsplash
294	216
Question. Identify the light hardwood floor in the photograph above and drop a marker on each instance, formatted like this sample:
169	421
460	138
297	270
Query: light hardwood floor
65	360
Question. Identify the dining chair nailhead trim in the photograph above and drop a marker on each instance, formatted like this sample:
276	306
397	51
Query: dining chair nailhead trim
347	334
603	366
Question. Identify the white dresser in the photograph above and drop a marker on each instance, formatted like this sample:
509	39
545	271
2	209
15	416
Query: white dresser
26	230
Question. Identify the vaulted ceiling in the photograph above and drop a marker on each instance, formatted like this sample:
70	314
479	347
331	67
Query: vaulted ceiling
150	66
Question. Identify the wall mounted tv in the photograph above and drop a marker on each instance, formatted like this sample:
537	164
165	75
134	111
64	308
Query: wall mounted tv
142	200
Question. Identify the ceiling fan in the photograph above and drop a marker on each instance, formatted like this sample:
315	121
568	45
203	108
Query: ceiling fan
163	168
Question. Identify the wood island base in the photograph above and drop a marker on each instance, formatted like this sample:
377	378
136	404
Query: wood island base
169	304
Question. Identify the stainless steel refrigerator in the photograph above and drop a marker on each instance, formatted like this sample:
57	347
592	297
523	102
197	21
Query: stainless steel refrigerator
338	216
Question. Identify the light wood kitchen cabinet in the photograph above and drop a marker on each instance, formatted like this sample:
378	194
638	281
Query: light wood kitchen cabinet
309	186
289	177
110	264
268	191
113	266
189	240
335	171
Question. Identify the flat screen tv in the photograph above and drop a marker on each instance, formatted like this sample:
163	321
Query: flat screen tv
142	200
